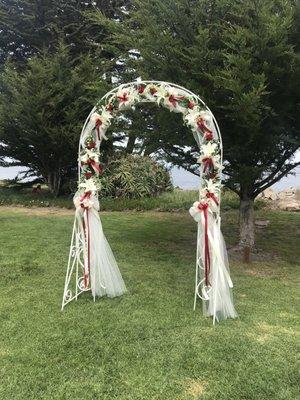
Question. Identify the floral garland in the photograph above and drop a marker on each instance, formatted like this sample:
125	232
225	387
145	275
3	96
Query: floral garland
195	115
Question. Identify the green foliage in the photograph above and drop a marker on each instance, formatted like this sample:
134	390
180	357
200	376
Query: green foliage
241	58
28	27
148	344
134	176
41	114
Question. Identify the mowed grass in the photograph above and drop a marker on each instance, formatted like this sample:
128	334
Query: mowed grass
148	344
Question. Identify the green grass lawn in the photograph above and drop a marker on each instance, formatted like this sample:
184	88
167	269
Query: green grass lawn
148	344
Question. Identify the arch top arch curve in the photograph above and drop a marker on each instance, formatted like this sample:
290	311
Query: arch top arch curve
159	95
196	115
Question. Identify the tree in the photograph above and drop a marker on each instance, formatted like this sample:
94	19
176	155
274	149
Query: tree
41	114
29	27
241	57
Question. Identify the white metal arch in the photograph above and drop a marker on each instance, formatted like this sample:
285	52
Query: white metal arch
201	289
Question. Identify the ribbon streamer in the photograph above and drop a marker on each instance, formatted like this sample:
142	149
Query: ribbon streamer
204	207
97	126
86	229
212	196
96	166
208	164
207	132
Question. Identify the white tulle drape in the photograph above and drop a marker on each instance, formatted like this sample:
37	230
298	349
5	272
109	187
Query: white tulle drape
104	274
220	303
217	296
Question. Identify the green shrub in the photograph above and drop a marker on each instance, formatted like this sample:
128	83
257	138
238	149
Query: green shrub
134	177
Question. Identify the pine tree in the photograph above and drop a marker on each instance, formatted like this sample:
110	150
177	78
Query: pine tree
41	114
29	27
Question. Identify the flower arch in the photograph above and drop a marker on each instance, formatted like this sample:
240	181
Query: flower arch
94	269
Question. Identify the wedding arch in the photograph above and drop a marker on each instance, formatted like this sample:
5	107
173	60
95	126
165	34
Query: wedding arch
91	264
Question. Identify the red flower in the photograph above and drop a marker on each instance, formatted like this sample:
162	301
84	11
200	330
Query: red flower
141	89
212	196
88	174
123	98
91	145
191	105
209	135
109	107
153	90
172	100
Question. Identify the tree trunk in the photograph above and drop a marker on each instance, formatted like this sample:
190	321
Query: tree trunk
130	144
54	182
247	223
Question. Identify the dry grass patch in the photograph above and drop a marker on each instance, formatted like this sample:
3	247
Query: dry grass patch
37	211
195	389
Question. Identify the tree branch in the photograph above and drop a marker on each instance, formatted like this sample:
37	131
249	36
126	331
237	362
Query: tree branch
288	154
284	173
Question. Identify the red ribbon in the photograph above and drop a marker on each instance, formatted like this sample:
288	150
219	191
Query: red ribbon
204	207
96	166
208	163
86	229
86	195
207	132
209	135
89	249
97	126
210	195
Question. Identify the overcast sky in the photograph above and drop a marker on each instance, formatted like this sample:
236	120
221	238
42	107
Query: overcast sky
184	179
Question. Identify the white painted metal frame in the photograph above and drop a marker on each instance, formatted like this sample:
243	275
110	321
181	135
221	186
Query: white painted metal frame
78	241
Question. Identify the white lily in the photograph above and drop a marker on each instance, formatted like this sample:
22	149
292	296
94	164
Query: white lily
106	116
161	94
126	97
89	185
213	187
207	150
191	117
210	150
171	100
214	159
210	194
158	90
89	155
